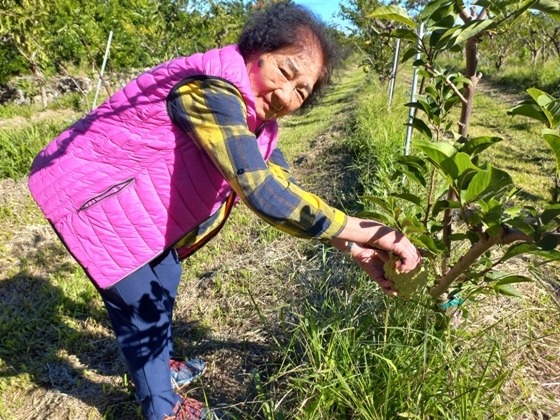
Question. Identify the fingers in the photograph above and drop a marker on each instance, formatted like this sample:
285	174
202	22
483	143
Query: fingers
371	261
394	241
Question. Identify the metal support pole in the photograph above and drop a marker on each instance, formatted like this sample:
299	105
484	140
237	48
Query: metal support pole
394	72
102	69
412	93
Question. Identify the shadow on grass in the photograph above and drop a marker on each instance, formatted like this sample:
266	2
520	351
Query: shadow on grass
58	344
64	345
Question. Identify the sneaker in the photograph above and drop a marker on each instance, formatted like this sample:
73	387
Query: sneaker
183	372
191	409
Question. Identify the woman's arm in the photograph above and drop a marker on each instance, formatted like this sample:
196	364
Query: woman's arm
212	112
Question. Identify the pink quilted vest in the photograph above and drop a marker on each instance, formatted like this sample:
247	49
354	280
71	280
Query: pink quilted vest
123	184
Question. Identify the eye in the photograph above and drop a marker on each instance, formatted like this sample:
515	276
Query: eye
284	73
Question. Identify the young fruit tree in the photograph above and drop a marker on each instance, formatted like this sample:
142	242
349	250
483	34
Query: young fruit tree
459	209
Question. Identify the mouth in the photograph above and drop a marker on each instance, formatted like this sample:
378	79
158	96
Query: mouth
270	110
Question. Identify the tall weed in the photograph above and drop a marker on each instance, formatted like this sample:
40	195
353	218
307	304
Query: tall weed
377	135
358	354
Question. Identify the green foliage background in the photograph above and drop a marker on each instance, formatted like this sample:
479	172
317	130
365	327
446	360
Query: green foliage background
60	33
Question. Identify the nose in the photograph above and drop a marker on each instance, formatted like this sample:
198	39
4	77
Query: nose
283	96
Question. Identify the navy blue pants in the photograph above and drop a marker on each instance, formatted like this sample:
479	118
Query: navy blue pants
140	308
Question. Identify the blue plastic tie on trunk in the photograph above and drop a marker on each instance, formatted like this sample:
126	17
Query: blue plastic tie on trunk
456	301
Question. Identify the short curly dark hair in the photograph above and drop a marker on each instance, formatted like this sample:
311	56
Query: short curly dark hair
284	25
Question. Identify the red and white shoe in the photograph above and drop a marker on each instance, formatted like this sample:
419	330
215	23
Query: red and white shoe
191	409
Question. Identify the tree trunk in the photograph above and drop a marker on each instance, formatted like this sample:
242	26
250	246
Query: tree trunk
41	81
471	51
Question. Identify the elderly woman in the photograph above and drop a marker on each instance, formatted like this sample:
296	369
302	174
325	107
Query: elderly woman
152	174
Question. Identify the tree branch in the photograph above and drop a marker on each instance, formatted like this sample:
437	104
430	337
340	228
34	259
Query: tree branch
506	236
448	83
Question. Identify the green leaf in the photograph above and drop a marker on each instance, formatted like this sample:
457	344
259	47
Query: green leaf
435	36
518	249
529	109
532	249
553	140
442	155
430	91
476	145
461	79
380	202
425	241
412	225
459	34
548	242
444	204
552	111
508	290
403	33
395	13
408	197
423	72
506	278
550	213
408	54
378	216
514	211
522	8
421	126
540	97
447	36
523	226
458	237
419	105
444	20
433	7
463	162
550	7
415	171
437	151
487	181
450	102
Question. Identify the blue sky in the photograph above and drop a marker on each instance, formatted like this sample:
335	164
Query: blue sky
325	9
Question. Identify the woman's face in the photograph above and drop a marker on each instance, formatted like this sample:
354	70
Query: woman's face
283	79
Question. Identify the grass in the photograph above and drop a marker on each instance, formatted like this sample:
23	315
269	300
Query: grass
18	147
518	77
523	153
291	329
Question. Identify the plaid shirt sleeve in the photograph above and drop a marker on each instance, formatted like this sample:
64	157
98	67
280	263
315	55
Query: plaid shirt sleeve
213	113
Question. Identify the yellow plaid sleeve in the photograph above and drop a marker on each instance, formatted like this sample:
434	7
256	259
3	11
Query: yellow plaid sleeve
213	113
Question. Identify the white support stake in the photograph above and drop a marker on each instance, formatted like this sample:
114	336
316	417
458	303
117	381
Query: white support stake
412	93
102	69
394	72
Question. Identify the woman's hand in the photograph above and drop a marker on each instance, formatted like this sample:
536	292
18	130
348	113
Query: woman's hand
372	234
371	261
393	241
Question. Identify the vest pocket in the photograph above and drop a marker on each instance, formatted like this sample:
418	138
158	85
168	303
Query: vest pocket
109	192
